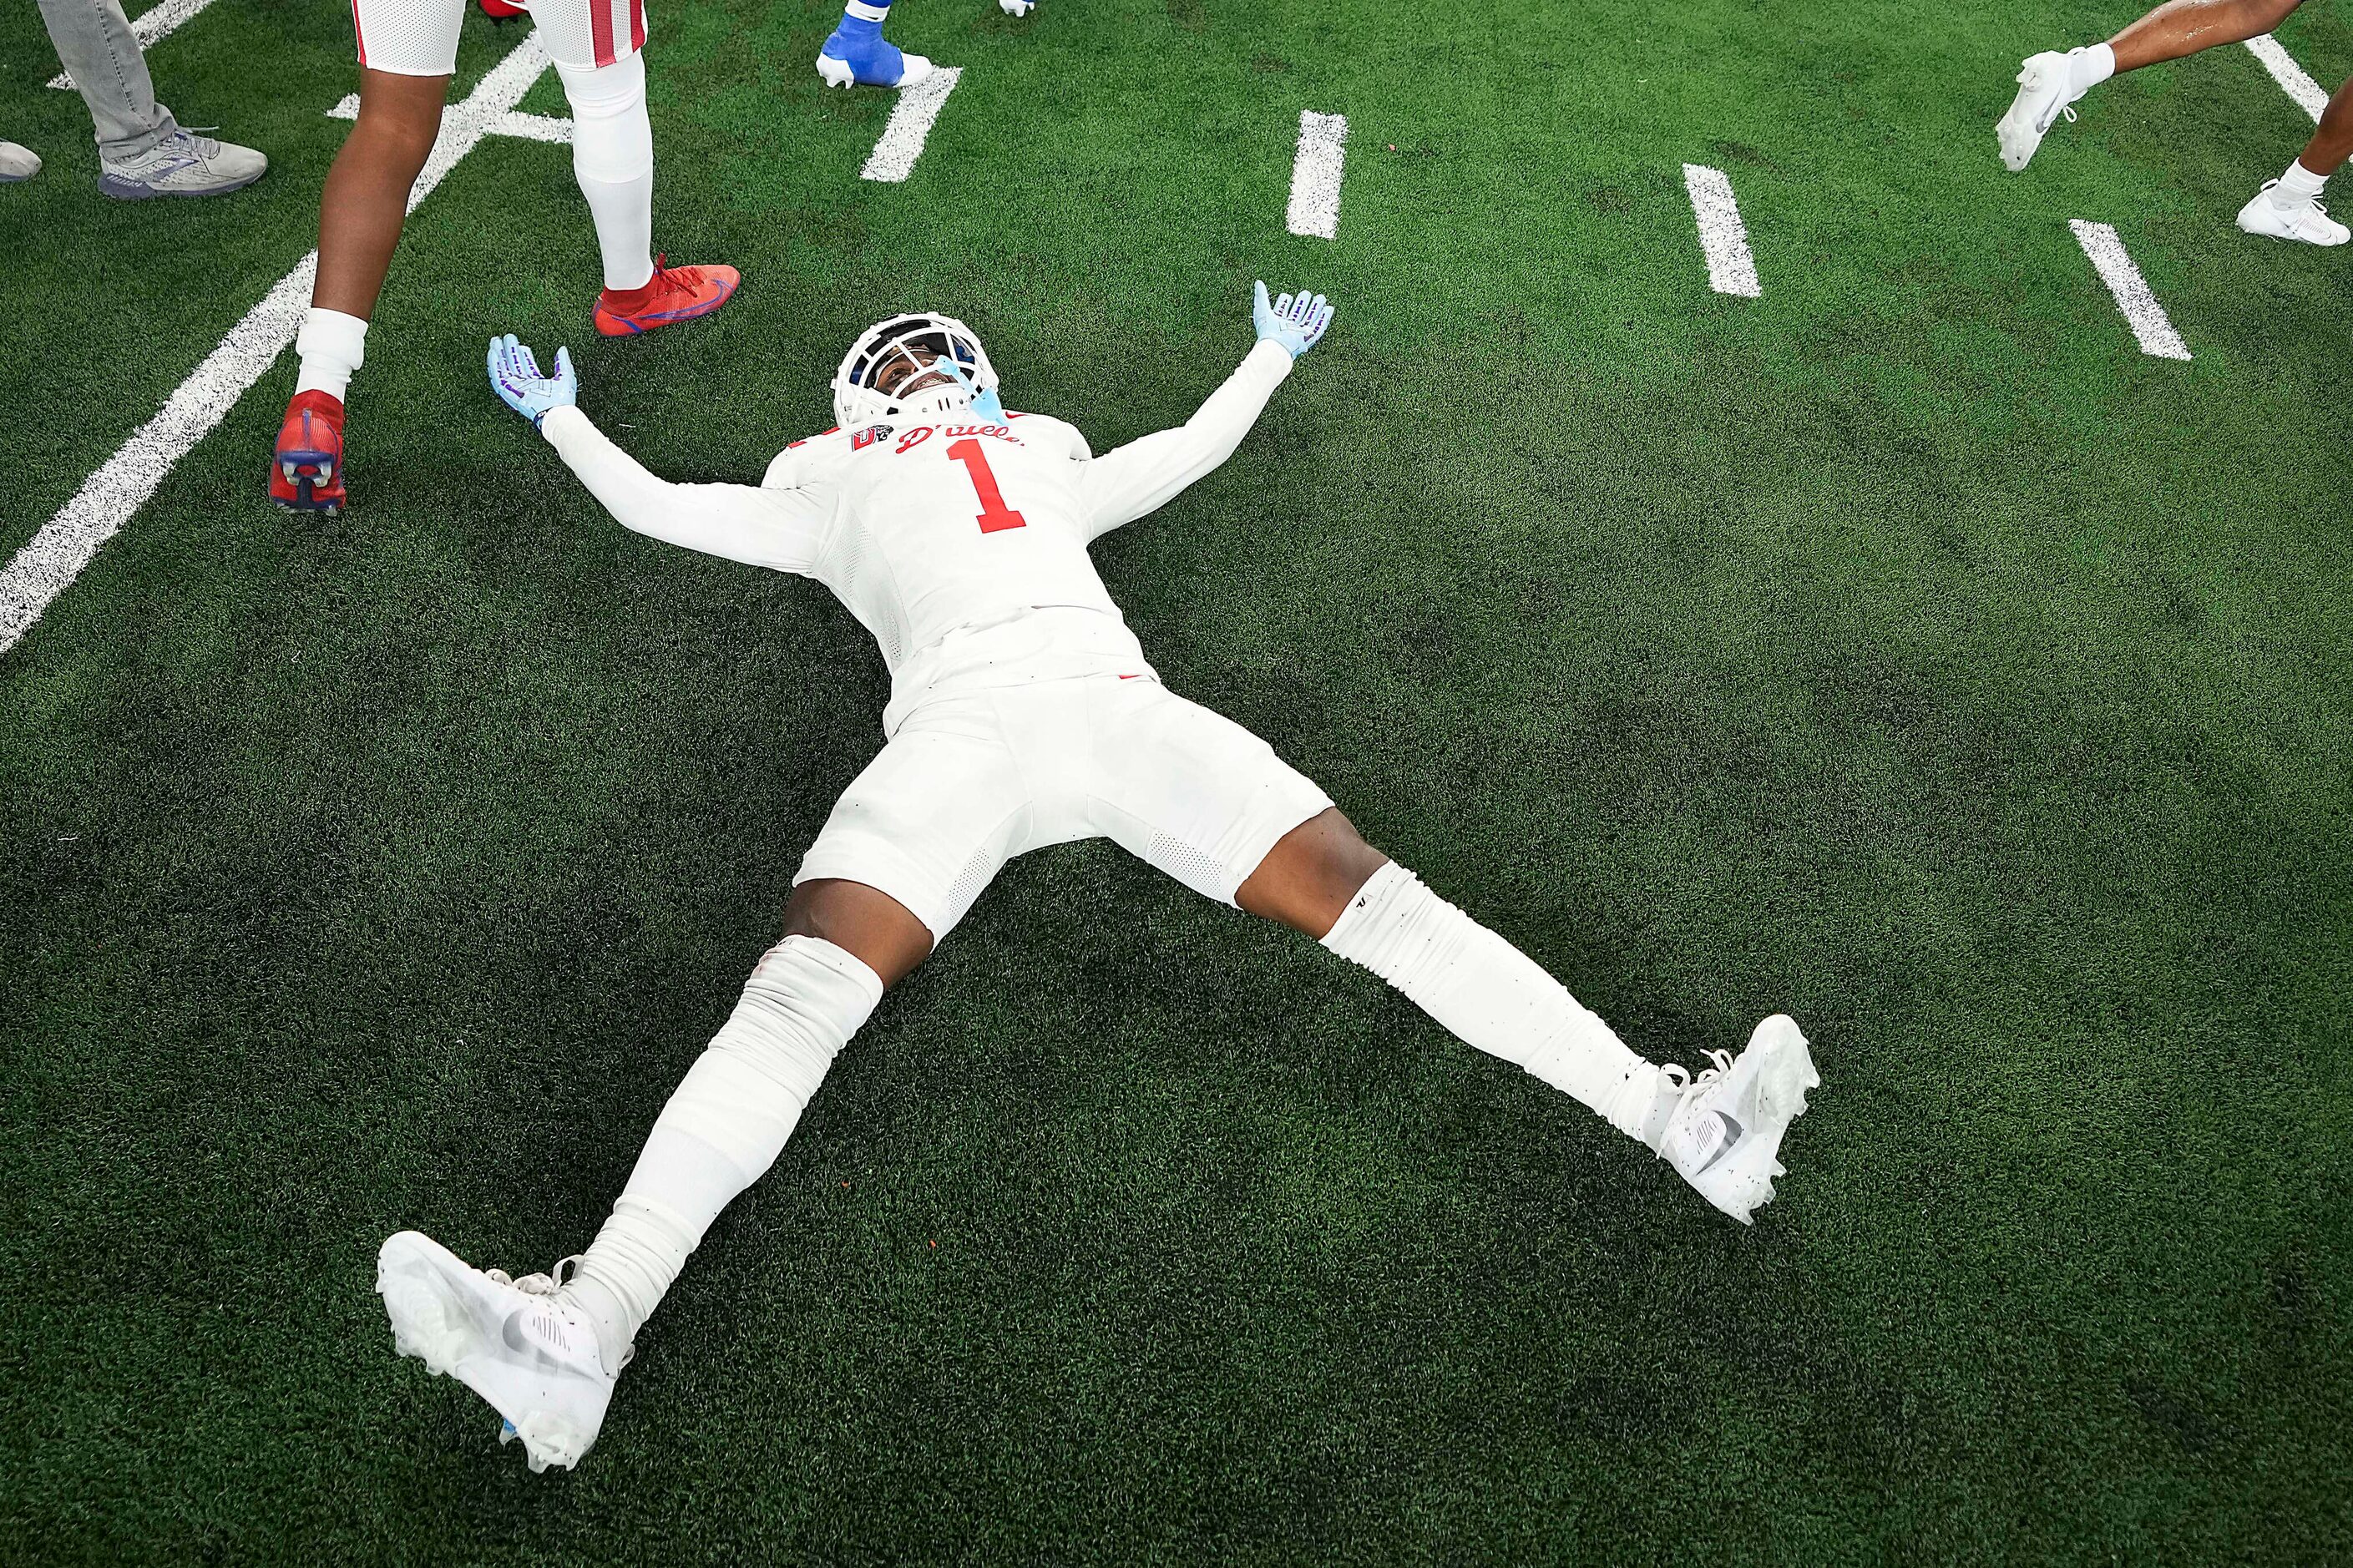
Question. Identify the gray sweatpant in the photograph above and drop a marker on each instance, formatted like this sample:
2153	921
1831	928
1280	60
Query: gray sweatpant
94	43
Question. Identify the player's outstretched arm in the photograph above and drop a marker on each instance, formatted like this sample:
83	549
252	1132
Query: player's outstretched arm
776	528
1143	475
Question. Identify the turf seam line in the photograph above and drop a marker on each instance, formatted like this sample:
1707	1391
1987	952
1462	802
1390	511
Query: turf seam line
1731	269
1316	174
2293	79
2115	266
54	557
901	142
514	123
151	28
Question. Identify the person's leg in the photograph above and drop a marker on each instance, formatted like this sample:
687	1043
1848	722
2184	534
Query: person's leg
2050	83
95	44
595	46
1202	798
2332	143
2184	28
1321	879
728	1121
2289	207
545	1351
359	217
142	152
910	845
1721	1132
366	197
613	160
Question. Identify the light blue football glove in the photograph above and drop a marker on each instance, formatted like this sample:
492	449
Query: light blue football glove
514	376
1297	322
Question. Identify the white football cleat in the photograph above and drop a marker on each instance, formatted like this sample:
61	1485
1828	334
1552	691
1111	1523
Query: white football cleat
2045	94
1017	8
1725	1134
2306	220
528	1351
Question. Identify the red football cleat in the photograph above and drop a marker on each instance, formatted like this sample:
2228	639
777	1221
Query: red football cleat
671	294
499	10
306	472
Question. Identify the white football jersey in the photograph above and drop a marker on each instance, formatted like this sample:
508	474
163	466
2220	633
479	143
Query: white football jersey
960	543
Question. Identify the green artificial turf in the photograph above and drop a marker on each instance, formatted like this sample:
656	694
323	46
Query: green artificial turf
1902	649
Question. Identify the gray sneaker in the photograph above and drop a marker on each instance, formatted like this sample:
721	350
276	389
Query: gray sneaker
183	164
17	162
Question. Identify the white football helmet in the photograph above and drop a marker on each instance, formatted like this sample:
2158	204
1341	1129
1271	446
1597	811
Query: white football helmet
958	374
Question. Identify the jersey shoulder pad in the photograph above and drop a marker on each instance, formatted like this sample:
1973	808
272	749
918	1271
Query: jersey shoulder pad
792	466
1044	428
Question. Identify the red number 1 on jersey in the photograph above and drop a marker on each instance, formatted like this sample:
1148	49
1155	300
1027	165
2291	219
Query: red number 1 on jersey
994	513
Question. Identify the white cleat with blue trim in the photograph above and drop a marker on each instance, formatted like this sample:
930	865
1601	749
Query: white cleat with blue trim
519	1344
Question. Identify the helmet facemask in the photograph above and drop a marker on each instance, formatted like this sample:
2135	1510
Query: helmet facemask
941	370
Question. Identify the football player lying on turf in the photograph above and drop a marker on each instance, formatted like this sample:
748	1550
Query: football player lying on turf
1022	714
2050	84
408	50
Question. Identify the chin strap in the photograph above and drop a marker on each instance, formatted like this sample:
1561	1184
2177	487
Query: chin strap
983	403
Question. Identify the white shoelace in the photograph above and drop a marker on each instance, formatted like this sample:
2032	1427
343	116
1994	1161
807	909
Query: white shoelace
546	1284
1686	1086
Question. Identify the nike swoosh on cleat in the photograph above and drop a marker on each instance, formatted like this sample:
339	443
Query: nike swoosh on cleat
1735	1133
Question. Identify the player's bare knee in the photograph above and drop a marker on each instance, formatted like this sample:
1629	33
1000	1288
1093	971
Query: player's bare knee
1308	878
405	111
865	922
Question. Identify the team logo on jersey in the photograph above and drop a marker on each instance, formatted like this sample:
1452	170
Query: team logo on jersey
868	436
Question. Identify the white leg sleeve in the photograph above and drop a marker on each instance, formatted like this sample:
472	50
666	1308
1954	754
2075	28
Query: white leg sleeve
1492	995
723	1128
613	159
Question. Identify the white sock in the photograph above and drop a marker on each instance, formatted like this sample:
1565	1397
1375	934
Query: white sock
723	1129
2298	186
332	345
2089	67
613	159
1494	996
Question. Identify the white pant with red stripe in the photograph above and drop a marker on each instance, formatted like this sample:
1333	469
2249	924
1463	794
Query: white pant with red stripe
419	38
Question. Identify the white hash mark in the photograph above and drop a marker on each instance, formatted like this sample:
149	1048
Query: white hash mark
893	158
1315	175
2309	95
1730	268
2133	298
55	557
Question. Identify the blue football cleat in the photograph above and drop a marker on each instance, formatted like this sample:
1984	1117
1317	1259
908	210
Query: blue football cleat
858	54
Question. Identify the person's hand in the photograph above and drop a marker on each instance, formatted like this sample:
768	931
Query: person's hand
1295	321
514	376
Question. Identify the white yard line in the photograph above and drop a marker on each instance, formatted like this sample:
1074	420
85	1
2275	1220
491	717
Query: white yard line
893	158
152	28
531	127
2309	95
2115	268
1722	236
1316	174
55	557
